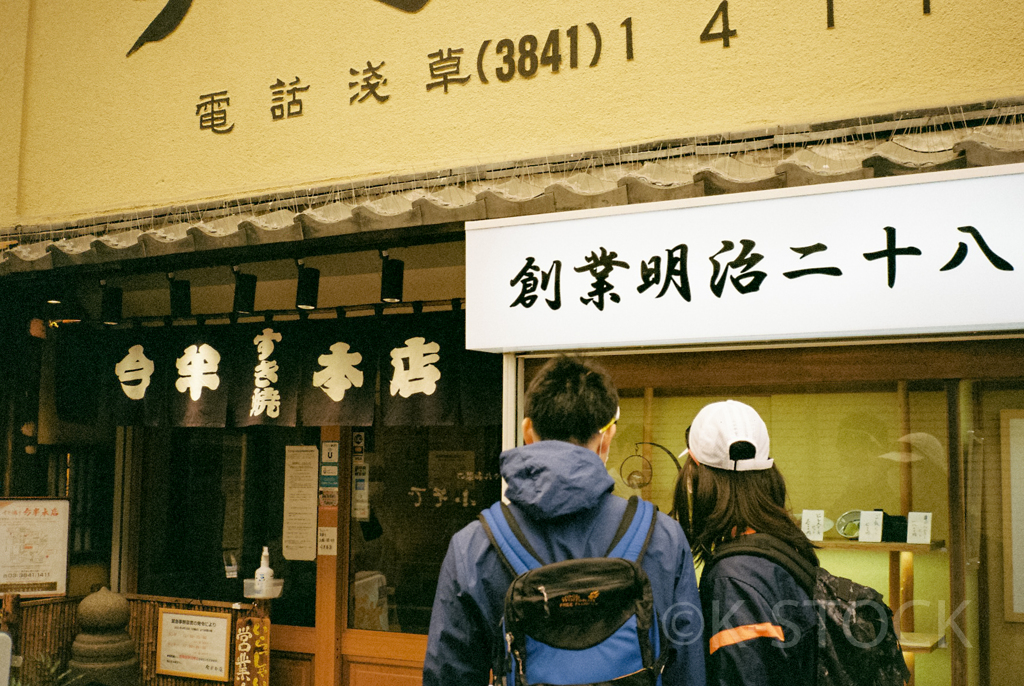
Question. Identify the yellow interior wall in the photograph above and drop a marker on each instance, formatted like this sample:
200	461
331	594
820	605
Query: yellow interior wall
104	132
827	446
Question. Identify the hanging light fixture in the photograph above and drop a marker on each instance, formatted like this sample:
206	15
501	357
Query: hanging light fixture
55	295
111	301
57	292
245	293
69	311
392	273
181	297
62	304
308	287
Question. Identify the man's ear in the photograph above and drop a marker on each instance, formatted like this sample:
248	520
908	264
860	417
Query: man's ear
529	435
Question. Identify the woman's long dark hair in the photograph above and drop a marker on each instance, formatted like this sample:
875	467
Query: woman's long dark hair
714	505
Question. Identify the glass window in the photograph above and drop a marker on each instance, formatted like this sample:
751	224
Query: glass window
841	451
838	451
211	499
425	483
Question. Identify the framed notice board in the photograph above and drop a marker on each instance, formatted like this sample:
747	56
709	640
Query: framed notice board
34	546
193	643
1012	442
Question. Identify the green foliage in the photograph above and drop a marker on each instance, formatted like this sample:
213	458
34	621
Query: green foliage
44	670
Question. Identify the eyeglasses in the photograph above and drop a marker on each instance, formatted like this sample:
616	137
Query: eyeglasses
610	424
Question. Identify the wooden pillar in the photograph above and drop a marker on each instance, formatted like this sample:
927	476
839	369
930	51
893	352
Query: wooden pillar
901	563
984	592
906	567
957	531
326	651
894	581
906	473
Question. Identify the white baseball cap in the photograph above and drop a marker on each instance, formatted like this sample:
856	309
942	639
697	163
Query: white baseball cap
730	435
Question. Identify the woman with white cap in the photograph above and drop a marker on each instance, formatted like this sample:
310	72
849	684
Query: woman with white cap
759	623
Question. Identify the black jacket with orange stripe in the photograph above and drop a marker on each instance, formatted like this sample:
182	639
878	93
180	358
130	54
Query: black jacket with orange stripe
760	627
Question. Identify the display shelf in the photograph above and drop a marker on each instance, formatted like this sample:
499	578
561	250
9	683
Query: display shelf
918	642
885	546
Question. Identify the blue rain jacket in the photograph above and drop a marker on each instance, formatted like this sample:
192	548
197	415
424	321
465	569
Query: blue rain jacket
561	494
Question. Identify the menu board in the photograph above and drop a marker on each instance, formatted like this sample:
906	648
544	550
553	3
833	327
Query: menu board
34	547
193	643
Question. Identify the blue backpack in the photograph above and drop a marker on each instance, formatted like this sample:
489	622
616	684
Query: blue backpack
578	622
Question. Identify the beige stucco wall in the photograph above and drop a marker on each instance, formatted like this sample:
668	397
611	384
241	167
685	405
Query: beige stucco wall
103	132
13	36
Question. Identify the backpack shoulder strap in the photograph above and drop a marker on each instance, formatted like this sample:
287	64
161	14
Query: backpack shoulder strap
770	548
507	537
634	533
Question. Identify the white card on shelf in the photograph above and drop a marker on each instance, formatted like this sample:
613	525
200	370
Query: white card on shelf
919	527
871	526
813	524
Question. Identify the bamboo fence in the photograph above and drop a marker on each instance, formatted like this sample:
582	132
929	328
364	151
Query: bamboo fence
45	631
46	628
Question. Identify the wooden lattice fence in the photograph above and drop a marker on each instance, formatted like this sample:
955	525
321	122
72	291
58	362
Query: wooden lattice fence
45	629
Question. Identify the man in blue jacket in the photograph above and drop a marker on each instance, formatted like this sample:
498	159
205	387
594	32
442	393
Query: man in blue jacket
561	494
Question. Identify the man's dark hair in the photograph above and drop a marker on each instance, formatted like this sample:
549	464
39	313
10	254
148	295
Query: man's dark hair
570	399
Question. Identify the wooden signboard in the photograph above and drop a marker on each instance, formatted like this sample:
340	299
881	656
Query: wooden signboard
195	644
252	651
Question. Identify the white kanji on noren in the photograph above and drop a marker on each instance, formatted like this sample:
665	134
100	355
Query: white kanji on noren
414	368
339	372
265	373
264	343
265	398
134	372
197	369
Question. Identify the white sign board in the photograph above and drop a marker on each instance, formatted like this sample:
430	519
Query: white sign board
936	253
919	527
194	643
33	547
871	526
327	540
813	524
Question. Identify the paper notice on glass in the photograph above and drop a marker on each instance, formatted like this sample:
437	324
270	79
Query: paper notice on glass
301	472
327	540
871	526
813	524
919	527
